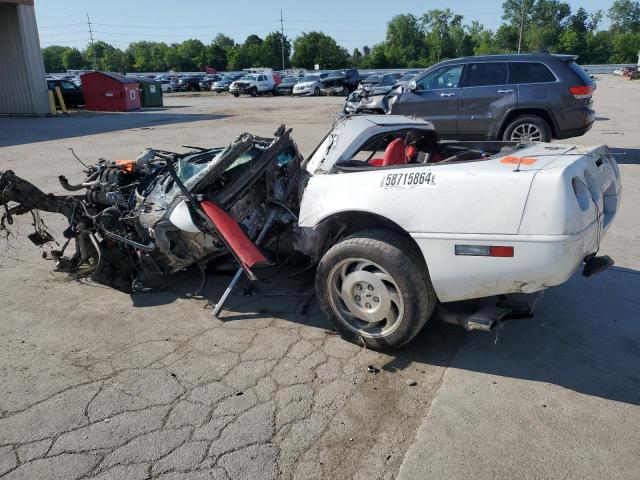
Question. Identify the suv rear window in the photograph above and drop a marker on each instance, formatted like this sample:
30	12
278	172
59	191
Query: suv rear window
531	72
577	69
484	74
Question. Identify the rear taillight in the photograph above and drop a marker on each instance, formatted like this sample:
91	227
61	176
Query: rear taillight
582	91
484	250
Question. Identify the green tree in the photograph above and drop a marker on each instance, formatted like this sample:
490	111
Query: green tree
317	48
52	57
377	57
249	54
158	57
404	42
72	59
438	25
625	47
109	58
141	54
192	55
542	21
625	16
356	58
272	51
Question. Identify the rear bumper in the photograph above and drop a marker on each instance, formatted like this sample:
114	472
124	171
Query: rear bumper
582	117
539	261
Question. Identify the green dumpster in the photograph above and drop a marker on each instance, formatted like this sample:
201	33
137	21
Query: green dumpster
150	93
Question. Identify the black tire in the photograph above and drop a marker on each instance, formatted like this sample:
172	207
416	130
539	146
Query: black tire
236	95
397	258
253	91
316	92
517	129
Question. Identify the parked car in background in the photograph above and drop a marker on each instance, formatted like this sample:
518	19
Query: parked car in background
286	86
340	82
166	85
370	97
309	84
208	80
71	93
253	84
222	85
189	83
378	80
527	97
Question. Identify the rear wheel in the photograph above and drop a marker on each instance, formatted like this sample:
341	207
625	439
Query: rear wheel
345	91
528	128
373	287
236	95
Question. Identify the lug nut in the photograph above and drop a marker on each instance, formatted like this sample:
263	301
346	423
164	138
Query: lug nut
368	305
370	287
358	286
357	298
376	299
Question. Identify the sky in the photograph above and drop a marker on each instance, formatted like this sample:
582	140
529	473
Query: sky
352	23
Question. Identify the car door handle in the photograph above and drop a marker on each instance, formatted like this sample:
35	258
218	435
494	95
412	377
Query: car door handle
507	90
449	94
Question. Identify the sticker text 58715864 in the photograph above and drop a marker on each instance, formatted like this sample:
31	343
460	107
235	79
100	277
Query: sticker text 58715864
408	180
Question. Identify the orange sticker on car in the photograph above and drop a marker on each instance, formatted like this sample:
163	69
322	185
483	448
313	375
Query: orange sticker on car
126	165
511	160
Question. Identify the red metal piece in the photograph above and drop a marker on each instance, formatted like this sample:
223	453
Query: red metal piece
110	92
243	248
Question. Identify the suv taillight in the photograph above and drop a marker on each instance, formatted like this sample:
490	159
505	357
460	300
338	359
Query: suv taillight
582	91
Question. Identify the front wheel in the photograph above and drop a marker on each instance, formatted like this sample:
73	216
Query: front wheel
253	91
236	95
374	289
528	128
316	92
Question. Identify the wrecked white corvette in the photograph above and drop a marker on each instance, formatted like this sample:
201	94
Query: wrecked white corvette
396	221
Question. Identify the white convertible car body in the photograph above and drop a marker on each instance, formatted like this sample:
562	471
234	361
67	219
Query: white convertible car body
515	222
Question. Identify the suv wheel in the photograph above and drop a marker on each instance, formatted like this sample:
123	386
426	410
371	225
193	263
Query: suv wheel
373	288
527	129
253	91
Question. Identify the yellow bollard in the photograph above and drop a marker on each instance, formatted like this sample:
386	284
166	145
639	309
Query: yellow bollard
63	107
52	103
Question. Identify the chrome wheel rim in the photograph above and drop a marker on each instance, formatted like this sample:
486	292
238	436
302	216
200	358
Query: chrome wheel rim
365	297
526	132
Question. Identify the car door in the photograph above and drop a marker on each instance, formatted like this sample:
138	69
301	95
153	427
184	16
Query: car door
486	96
434	98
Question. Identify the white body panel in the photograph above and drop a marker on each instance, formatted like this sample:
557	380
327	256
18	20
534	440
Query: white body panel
531	207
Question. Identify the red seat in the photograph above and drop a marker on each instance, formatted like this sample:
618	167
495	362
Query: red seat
394	153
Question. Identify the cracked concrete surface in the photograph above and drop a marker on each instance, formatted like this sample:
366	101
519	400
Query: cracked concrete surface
259	398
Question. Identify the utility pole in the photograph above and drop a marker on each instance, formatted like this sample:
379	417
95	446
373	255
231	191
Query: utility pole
521	25
282	37
95	62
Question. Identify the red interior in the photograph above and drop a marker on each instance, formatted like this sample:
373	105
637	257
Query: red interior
396	153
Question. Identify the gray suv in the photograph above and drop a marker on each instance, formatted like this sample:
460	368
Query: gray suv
527	97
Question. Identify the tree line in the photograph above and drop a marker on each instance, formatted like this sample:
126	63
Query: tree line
410	41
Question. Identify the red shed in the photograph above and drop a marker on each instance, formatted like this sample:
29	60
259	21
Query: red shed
106	91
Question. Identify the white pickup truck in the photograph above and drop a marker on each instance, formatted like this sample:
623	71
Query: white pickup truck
253	84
